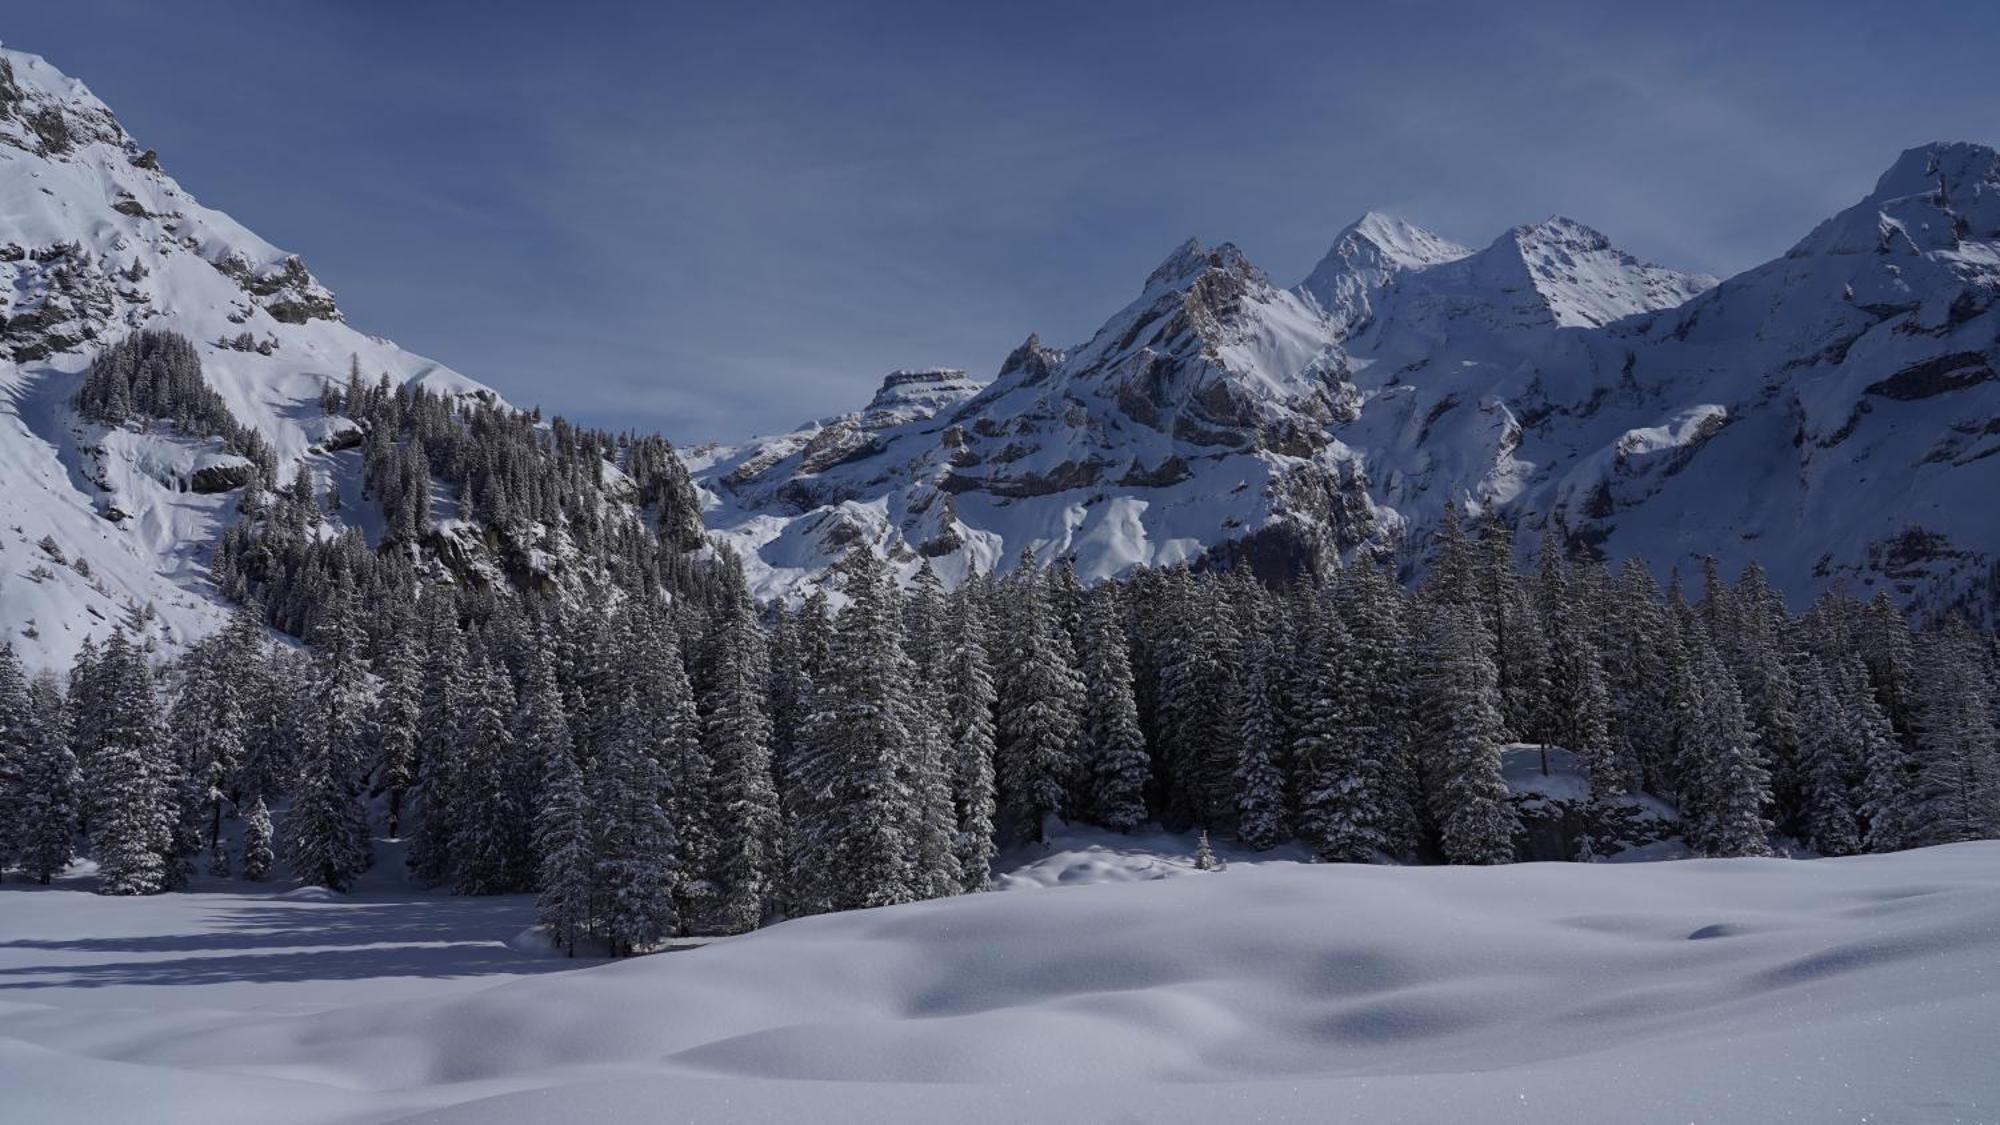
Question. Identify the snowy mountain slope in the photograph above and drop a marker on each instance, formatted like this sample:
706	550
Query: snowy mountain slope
1710	990
1830	414
1216	413
1176	424
95	241
1849	395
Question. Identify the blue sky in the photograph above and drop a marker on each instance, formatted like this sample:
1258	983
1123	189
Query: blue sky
713	220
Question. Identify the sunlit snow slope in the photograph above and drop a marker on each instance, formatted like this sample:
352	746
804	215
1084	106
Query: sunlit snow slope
95	241
1857	989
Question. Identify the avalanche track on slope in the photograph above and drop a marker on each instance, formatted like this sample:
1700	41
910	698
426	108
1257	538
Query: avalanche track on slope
1856	989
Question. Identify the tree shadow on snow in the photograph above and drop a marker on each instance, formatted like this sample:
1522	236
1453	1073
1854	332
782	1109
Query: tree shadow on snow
305	941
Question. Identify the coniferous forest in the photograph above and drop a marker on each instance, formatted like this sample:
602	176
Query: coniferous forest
626	733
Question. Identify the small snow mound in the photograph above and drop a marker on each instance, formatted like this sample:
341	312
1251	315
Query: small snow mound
1079	856
535	941
310	894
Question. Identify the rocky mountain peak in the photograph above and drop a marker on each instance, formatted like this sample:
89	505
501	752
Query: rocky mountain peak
1032	362
1365	258
1579	278
1190	261
48	113
924	390
1933	197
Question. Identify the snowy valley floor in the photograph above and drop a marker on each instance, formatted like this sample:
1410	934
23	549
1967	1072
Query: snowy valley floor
1863	989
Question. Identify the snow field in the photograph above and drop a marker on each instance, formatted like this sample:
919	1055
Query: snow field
1729	990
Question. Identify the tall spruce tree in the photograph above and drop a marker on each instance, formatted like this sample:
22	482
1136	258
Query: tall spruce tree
18	736
1379	643
1957	784
129	779
258	853
1201	692
636	868
1576	702
446	680
398	717
1117	763
868	837
49	797
1829	758
1724	784
1884	798
1338	751
969	699
565	843
1260	770
492	849
1460	737
736	733
326	833
927	769
1040	709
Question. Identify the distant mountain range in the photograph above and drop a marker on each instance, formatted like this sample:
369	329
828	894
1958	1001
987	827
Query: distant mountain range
1830	413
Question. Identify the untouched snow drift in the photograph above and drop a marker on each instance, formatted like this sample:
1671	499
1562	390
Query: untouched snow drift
1857	989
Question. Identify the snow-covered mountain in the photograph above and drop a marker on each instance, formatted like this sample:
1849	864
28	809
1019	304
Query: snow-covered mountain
1829	414
96	241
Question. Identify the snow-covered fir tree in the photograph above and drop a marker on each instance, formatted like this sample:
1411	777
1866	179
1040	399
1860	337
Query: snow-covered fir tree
868	828
1337	752
1829	761
1040	710
258	852
492	801
736	735
565	840
1575	700
1885	798
46	799
1957	782
1260	767
1201	702
1117	765
18	736
968	710
1457	692
129	779
636	869
326	835
1725	786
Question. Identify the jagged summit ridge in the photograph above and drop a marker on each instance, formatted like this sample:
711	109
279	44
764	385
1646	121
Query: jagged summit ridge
910	393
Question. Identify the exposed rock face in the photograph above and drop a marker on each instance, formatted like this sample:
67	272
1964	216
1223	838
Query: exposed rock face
70	281
287	291
221	474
